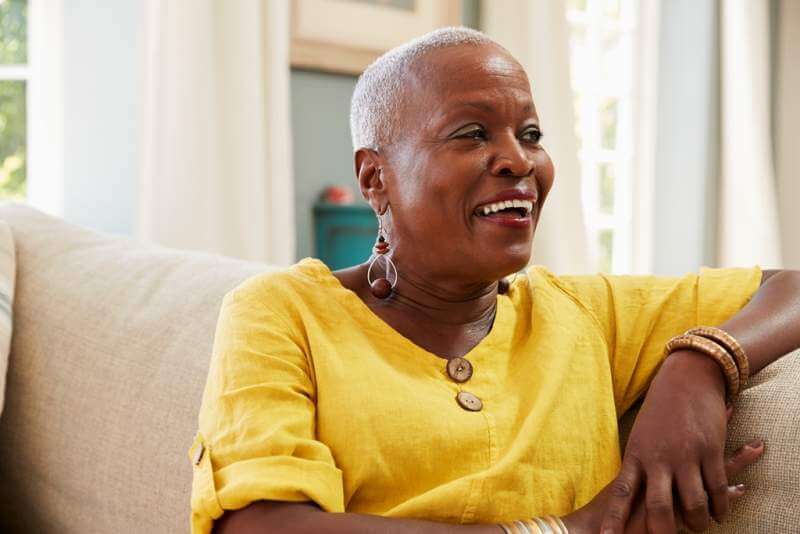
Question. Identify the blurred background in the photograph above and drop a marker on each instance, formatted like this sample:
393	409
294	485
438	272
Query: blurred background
222	126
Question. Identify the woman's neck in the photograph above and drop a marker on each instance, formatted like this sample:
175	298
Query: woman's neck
442	316
443	302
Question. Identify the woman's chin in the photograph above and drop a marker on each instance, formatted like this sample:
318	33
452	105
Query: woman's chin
507	262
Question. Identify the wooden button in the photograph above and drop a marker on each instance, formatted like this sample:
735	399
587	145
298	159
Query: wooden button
468	401
459	369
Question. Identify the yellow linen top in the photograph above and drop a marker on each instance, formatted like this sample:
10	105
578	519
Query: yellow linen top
312	397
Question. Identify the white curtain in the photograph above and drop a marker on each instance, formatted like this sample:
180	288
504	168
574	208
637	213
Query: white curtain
747	225
561	241
216	169
787	128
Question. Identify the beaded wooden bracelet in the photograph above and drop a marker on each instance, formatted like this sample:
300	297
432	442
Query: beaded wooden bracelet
729	343
715	351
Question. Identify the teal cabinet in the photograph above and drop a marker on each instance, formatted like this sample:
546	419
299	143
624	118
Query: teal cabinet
344	233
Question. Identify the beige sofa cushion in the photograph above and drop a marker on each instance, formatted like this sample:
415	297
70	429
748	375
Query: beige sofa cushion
110	352
7	267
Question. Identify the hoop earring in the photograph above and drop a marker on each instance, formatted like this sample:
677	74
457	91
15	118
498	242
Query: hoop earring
381	287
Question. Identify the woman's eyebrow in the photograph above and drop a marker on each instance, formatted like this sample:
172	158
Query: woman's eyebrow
483	106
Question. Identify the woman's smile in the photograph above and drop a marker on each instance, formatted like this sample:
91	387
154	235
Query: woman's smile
511	209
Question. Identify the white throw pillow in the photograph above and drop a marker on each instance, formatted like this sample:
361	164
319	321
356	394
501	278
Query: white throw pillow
7	270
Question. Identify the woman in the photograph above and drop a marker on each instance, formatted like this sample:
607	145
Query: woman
425	394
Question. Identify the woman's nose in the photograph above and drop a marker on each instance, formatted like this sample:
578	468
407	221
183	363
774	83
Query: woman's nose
511	159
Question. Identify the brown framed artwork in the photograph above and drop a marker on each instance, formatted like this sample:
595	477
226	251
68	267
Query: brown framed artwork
345	36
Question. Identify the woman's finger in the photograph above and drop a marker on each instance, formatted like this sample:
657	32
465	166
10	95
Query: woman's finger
623	490
658	503
693	498
715	477
743	457
717	474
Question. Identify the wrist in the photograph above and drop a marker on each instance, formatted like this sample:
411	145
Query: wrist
583	520
695	368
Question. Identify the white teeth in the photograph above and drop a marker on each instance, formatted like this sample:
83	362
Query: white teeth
486	209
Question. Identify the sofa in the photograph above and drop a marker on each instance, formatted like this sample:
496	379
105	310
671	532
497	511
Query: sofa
110	347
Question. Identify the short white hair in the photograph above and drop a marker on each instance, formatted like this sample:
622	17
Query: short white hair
379	89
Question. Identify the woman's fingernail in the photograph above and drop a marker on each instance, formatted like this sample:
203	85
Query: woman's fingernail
740	488
757	444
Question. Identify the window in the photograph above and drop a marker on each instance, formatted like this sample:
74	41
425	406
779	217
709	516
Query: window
13	98
602	62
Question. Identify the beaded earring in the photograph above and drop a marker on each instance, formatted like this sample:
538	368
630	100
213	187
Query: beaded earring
381	287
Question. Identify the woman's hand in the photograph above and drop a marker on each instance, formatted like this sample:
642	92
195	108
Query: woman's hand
677	440
587	520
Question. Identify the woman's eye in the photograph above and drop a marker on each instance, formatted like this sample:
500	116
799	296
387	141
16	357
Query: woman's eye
533	135
470	132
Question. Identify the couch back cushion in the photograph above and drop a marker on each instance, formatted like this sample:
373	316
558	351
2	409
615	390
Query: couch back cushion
7	268
112	340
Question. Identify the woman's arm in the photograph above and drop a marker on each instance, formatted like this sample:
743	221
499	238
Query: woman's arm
263	516
679	435
295	518
769	326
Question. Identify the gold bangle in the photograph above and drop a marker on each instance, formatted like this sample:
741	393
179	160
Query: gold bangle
729	343
714	350
532	526
543	525
556	524
511	527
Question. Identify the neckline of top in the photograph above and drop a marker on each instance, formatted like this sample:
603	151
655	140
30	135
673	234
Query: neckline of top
497	335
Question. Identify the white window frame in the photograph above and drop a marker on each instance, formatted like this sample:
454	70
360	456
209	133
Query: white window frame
631	219
45	107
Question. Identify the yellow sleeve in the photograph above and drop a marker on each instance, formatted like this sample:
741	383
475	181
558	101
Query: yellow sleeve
639	314
256	436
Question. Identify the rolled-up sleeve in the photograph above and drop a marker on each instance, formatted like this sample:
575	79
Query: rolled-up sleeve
256	438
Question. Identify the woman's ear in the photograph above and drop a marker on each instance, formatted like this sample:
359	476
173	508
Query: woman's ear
370	179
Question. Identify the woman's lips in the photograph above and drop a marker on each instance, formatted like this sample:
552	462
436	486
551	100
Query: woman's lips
508	218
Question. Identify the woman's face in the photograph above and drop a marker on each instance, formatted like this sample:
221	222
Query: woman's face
467	138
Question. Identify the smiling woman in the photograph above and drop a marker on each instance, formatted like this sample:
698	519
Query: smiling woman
448	399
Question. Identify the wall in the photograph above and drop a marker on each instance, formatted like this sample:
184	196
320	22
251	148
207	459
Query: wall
102	47
323	154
